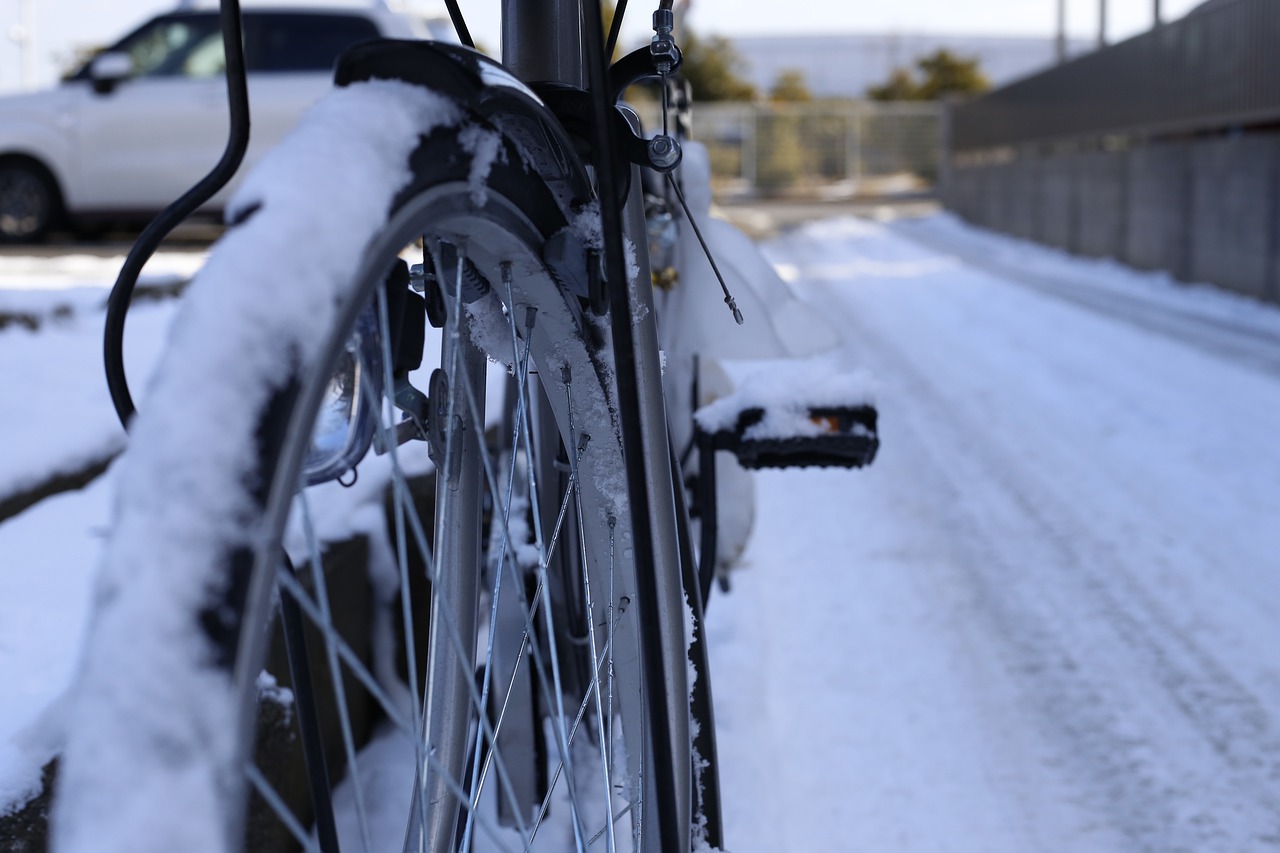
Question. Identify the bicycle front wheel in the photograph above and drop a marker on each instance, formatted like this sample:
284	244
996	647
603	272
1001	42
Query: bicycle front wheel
493	698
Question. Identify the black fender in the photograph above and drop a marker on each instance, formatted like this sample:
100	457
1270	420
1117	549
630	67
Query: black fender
490	93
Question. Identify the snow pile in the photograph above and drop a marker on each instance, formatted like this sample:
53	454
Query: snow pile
588	226
485	147
787	391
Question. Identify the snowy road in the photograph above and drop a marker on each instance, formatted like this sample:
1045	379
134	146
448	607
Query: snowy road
1046	618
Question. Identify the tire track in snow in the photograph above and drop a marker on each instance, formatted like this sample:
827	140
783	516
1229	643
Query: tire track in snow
1119	760
1256	348
1098	658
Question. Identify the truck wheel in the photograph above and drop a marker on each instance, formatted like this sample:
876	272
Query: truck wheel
29	202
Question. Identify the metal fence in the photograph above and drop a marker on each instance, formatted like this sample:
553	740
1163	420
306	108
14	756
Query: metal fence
1214	69
825	148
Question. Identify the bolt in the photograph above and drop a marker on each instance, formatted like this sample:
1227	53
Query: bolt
664	21
662	48
418	277
664	152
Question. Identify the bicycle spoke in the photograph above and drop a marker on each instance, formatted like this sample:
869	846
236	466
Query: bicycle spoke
563	739
522	430
477	775
357	668
318	614
408	622
518	498
419	536
344	651
273	799
335	670
521	359
582	709
464	421
546	549
626	810
525	640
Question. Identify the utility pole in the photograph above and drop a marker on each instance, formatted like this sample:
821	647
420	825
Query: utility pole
1156	13
22	34
1062	31
1102	24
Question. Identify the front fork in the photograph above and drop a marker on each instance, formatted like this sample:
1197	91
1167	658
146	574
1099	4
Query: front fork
455	589
668	640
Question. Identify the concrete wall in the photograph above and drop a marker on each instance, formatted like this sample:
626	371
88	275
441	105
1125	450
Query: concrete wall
1233	189
1101	184
1202	209
1058	215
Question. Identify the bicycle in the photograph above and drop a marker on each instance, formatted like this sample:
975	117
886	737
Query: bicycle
545	591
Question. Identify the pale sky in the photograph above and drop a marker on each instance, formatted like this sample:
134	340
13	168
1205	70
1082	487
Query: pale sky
59	26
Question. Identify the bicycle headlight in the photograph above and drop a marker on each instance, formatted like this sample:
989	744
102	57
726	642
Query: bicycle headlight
346	421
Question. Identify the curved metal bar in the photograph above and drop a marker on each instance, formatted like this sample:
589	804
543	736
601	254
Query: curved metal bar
636	66
174	214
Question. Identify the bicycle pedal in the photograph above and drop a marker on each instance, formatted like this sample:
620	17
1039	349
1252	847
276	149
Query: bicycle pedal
842	437
831	423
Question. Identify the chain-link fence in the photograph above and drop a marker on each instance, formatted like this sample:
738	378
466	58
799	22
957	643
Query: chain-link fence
822	149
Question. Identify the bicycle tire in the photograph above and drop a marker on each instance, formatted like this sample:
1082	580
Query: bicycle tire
175	724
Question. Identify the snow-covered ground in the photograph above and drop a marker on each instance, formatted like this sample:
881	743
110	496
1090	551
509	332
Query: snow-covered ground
1044	619
56	419
57	413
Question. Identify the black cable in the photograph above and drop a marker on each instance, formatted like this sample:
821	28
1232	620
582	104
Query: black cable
174	214
459	23
615	29
728	297
293	626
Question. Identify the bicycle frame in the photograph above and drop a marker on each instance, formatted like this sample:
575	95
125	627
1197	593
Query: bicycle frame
542	41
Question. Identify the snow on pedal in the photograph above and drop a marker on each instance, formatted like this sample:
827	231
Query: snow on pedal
796	414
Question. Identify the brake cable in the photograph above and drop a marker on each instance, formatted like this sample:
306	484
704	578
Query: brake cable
663	48
173	215
459	24
706	250
615	29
